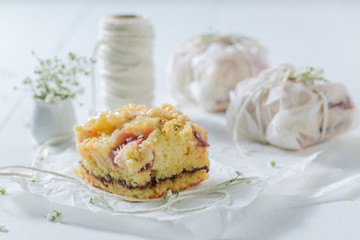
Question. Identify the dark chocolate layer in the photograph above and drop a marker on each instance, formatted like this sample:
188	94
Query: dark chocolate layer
152	183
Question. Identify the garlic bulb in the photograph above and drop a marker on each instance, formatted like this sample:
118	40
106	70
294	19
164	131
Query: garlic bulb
205	68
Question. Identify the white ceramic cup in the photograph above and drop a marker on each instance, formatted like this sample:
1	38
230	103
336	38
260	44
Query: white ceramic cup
51	120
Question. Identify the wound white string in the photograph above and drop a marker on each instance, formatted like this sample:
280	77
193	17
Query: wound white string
124	51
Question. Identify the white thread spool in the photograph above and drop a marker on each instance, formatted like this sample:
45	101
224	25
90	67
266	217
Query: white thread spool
124	51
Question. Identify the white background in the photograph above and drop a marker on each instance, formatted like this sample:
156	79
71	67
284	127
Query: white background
323	34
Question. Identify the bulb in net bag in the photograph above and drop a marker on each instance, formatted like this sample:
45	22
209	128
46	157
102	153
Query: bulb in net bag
205	68
289	108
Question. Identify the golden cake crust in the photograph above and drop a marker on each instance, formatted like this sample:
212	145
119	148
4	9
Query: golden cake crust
135	146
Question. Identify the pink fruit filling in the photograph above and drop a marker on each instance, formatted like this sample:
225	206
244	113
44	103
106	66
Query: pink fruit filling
117	155
345	104
200	142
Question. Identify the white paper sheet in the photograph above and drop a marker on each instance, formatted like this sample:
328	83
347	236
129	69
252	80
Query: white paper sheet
77	194
255	162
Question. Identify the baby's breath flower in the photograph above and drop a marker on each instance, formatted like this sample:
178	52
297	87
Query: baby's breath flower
56	80
239	176
177	192
3	228
55	216
272	163
56	99
49	98
308	75
168	195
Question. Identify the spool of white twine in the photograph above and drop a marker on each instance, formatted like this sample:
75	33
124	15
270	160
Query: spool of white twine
124	52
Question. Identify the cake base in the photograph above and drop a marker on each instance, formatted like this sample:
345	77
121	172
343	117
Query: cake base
156	188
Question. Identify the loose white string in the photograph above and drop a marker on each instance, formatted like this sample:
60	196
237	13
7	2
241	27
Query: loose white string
247	43
325	111
280	74
218	189
193	194
42	147
125	51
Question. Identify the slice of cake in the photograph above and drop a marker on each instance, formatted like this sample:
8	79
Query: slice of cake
142	153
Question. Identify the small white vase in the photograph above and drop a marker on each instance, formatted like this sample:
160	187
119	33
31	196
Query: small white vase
51	120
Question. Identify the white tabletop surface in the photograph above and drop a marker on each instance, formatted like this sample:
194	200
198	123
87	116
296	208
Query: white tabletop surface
324	34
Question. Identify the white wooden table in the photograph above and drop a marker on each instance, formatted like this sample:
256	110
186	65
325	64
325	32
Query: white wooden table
324	34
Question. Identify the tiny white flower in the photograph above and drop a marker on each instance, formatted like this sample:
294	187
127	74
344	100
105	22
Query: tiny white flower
168	195
55	77
3	228
55	216
2	191
49	98
42	90
56	99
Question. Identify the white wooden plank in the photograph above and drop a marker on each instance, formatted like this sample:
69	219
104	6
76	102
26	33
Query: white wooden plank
26	28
